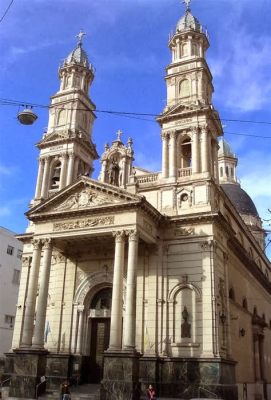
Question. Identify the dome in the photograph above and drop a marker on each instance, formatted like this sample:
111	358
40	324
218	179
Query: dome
225	150
77	56
188	21
240	199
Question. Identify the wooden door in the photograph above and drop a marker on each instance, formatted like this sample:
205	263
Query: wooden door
100	330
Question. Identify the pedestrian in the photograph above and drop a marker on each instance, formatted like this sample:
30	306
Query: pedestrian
151	394
65	393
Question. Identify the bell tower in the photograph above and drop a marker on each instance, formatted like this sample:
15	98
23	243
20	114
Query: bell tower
66	149
190	125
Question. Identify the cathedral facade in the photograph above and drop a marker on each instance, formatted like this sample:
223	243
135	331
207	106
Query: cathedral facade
143	277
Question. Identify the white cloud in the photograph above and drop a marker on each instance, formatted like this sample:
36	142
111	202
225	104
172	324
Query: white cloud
255	172
6	170
242	70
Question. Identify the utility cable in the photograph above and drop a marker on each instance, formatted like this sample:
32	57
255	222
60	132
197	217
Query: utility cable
5	13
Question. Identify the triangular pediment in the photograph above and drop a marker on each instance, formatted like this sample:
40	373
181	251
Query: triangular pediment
179	109
83	195
54	136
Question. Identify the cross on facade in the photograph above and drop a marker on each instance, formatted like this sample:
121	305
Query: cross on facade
80	36
119	133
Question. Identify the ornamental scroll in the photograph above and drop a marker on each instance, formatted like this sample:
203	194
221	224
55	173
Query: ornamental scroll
83	223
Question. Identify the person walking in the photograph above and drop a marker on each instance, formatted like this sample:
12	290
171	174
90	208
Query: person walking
65	393
151	394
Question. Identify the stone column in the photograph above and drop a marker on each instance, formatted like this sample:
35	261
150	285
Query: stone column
130	313
74	328
70	169
30	303
195	151
80	310
117	301
172	155
103	171
63	172
165	155
39	179
204	150
38	339
45	178
76	169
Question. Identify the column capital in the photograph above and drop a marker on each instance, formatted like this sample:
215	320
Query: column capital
47	243
204	128
119	236
71	155
194	130
132	235
80	308
164	135
172	134
36	243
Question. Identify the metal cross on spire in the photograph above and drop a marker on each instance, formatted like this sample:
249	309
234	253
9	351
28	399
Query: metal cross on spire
187	3
80	36
119	133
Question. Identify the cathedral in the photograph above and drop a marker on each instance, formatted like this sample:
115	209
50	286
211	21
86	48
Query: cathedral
143	277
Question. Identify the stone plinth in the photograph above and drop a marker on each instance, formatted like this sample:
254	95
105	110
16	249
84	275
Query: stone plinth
27	368
57	369
188	378
121	376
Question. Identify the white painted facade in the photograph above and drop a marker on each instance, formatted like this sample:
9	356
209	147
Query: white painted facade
10	270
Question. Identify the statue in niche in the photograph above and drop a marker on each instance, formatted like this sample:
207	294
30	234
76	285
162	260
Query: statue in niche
186	327
113	173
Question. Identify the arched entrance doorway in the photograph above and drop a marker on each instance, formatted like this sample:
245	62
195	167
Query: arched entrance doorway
99	321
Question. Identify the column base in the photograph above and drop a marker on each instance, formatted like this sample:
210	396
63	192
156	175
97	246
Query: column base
120	376
58	369
26	369
189	378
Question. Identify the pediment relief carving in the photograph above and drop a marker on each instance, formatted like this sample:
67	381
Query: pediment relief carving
85	199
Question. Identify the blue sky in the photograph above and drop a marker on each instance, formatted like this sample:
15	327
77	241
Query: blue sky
127	43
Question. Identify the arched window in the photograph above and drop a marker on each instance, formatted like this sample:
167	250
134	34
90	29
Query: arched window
56	176
184	89
195	49
186	153
227	170
244	303
184	50
221	171
231	294
232	174
61	117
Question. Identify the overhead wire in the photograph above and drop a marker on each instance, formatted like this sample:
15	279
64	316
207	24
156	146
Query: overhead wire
137	115
6	11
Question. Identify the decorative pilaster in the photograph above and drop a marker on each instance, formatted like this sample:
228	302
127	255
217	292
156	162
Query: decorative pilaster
204	150
80	310
39	179
38	339
45	178
172	154
130	314
30	303
117	294
165	155
63	173
70	169
195	151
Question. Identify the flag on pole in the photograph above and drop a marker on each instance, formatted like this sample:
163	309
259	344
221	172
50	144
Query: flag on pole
47	331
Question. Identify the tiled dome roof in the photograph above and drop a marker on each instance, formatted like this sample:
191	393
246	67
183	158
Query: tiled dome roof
78	56
188	21
240	199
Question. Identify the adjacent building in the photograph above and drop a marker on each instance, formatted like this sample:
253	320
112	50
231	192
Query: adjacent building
143	277
11	250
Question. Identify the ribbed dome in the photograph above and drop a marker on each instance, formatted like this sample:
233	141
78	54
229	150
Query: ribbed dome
224	149
240	199
188	21
78	56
